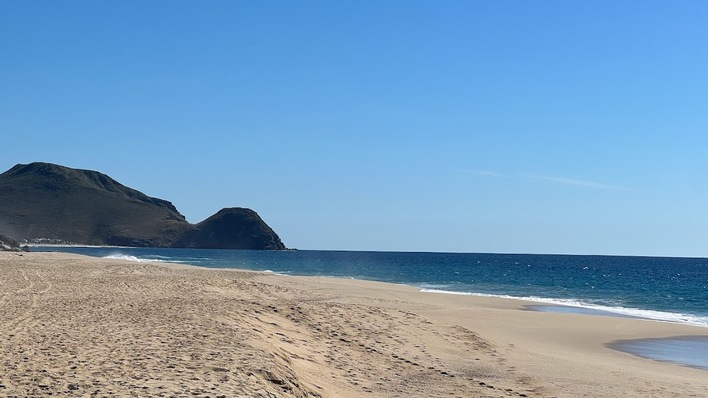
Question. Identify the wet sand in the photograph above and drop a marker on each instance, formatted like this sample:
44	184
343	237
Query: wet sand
80	326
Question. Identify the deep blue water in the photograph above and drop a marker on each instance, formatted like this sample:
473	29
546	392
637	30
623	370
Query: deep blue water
669	289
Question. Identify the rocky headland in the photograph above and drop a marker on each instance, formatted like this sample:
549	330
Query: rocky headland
44	202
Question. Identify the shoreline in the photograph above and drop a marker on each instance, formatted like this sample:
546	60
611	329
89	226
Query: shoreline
577	306
569	304
76	245
299	335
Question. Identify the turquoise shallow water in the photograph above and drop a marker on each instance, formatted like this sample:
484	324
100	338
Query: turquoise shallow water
665	289
564	309
687	350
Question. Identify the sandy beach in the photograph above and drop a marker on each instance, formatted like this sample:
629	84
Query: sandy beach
82	327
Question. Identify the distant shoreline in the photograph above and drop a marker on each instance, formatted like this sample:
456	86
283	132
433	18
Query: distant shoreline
76	245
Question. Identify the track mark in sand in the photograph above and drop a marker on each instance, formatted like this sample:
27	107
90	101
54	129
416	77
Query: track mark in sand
7	296
3	298
29	281
44	281
25	320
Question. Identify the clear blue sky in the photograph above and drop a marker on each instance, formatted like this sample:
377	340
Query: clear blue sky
472	126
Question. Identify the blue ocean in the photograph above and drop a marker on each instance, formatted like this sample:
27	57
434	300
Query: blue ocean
667	289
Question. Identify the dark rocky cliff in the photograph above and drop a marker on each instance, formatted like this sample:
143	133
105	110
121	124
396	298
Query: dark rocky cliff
8	244
234	228
61	204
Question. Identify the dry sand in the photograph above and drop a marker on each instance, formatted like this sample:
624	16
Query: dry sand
79	327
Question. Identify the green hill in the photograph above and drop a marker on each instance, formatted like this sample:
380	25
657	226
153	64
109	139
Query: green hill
43	201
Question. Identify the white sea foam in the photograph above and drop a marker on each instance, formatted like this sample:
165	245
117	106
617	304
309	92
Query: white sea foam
119	256
279	273
434	286
127	257
628	311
